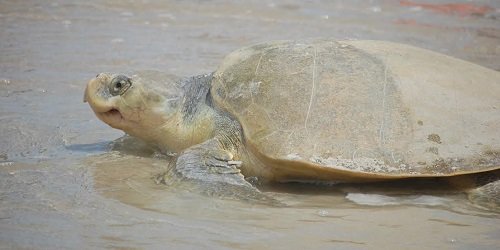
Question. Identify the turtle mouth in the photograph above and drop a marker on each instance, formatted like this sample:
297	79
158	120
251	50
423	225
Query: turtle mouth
112	114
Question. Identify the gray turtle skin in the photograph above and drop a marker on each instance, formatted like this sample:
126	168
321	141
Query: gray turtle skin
316	110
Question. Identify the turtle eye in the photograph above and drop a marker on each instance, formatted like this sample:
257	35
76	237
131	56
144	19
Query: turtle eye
119	85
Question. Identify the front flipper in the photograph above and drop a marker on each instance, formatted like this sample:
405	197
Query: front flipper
211	170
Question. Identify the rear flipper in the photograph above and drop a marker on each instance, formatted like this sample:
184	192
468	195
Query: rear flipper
483	189
487	195
209	169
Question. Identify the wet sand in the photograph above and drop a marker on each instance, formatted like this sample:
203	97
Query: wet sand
65	181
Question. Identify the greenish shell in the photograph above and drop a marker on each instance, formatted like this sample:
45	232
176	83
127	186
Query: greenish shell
363	106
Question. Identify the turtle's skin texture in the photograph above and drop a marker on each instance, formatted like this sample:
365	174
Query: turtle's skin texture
316	110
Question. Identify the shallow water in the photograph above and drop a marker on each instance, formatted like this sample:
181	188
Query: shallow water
68	181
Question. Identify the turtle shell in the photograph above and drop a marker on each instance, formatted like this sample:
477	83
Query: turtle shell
372	107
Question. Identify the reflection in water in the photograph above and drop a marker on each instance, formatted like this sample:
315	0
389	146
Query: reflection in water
314	214
384	200
89	148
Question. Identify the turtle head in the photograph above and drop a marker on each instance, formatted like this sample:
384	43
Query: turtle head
139	105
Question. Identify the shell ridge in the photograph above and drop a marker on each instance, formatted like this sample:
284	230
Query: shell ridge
313	88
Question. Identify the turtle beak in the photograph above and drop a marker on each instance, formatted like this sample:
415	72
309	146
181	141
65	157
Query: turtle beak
91	87
91	90
95	99
85	95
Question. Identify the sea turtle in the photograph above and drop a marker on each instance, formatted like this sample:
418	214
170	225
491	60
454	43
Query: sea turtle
316	111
